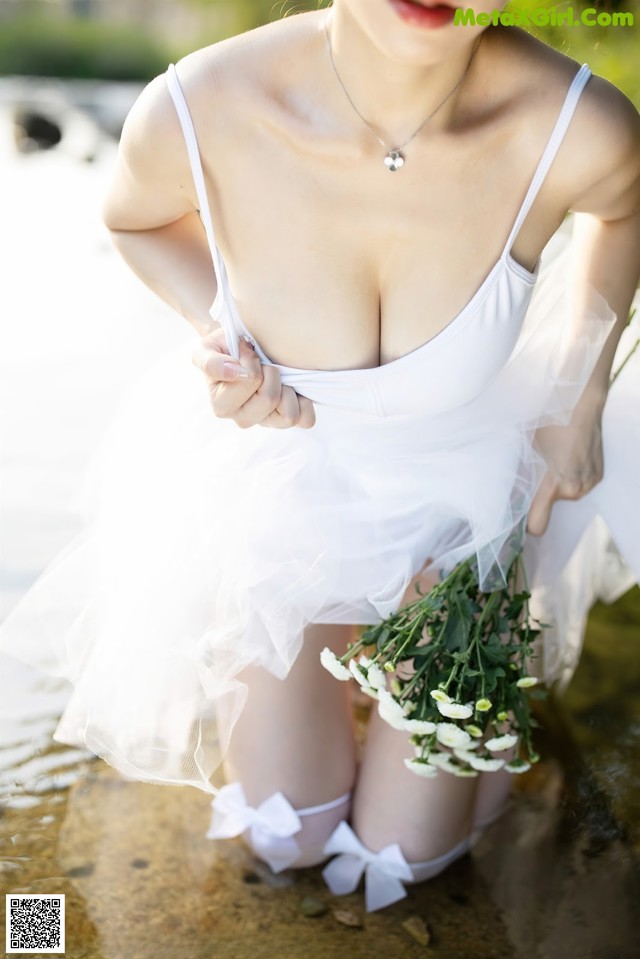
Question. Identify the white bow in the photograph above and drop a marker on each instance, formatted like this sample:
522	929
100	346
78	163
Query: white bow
383	870
272	824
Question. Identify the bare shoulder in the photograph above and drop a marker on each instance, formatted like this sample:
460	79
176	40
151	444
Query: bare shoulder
225	85
602	145
228	82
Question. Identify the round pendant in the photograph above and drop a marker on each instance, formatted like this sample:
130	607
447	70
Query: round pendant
393	160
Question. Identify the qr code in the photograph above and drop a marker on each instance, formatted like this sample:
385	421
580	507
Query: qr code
35	924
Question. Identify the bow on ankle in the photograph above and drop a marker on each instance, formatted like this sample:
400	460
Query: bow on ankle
383	870
272	824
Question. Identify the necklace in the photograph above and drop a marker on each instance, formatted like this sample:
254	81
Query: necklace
395	158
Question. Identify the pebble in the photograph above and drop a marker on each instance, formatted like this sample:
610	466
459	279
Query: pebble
417	929
77	872
311	907
348	918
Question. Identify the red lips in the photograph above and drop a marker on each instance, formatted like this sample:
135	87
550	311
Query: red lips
420	14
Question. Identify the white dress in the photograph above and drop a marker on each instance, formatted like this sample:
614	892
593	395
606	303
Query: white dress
207	548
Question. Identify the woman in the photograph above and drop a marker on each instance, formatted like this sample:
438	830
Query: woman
376	186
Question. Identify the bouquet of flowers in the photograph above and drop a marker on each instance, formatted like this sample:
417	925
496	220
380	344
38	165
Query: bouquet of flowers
451	668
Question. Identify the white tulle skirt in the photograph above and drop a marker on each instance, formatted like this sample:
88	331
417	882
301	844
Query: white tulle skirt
207	548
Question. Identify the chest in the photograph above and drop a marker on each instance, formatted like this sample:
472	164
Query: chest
336	263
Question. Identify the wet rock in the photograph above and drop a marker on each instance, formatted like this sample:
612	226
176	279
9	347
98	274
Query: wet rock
312	907
77	871
348	918
34	131
417	929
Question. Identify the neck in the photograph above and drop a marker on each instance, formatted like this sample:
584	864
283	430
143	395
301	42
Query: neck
394	95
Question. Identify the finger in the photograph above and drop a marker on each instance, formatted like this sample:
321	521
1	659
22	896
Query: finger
575	488
307	413
211	356
286	413
300	412
541	506
228	398
262	402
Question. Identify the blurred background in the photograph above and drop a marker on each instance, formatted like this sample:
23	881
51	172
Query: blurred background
558	875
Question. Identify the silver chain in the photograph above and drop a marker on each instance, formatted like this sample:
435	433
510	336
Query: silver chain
395	150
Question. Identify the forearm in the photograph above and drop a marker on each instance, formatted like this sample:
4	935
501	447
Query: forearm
608	261
174	261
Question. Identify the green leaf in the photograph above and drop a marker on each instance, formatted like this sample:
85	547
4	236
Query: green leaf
495	653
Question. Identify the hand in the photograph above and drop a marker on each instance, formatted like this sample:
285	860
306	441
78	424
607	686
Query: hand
246	391
573	455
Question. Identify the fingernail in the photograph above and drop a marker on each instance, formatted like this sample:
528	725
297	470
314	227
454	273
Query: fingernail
235	371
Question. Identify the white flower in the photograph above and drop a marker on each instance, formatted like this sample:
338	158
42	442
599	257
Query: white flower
377	678
390	710
463	754
498	743
331	662
451	735
440	696
455	710
464	771
358	673
442	761
517	766
485	764
527	681
368	675
426	769
420	726
445	762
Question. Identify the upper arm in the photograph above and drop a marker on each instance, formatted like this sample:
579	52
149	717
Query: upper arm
607	178
151	183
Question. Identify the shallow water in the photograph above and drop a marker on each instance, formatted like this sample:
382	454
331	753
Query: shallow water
557	876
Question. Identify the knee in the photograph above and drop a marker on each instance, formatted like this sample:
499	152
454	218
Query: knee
284	837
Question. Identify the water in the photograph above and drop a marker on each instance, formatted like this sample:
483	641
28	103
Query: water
557	875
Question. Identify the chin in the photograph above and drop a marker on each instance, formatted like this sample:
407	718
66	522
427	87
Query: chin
420	36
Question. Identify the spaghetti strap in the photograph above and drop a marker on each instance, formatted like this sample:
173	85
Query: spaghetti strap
553	144
196	164
217	311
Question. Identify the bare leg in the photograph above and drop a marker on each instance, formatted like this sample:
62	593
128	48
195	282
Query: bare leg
426	817
296	735
493	791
